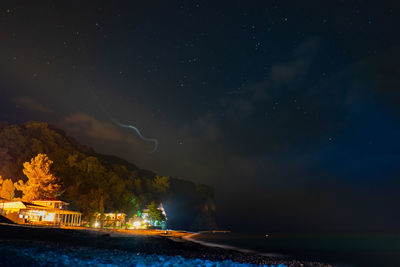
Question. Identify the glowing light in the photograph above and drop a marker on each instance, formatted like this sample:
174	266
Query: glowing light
50	217
96	224
137	224
155	141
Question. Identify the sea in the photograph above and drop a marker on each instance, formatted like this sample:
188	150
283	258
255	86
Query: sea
339	249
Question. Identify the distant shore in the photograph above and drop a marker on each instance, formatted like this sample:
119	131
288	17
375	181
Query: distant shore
75	243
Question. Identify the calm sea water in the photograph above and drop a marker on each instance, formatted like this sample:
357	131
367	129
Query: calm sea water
343	249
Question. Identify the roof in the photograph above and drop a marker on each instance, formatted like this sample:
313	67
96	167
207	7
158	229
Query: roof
2	200
14	205
33	205
49	199
54	200
22	205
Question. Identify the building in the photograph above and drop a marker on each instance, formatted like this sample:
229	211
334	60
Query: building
51	202
49	211
113	220
2	201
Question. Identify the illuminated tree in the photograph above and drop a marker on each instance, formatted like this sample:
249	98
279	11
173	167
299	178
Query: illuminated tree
155	214
92	182
7	189
41	182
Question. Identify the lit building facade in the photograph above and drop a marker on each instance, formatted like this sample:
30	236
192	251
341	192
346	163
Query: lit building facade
112	220
41	212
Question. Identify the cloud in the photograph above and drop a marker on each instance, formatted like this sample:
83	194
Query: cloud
32	104
288	72
208	128
384	72
308	47
291	71
80	123
236	108
281	76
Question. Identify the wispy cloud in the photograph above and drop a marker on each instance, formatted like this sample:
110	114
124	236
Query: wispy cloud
80	123
32	104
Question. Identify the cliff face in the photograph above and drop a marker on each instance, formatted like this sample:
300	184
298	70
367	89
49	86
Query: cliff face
190	206
88	177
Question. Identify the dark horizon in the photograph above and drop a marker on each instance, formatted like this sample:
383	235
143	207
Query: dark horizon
291	111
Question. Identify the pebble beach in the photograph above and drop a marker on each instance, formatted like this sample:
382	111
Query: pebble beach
37	246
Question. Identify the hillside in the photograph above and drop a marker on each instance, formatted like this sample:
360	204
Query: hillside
93	182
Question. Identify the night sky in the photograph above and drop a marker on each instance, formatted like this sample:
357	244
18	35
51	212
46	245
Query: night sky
290	109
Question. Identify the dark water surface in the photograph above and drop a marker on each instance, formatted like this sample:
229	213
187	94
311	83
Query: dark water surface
343	249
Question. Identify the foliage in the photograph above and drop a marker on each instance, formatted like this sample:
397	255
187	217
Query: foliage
161	184
7	188
91	182
155	214
41	182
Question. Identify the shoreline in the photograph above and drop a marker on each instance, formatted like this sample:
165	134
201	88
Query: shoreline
178	244
229	247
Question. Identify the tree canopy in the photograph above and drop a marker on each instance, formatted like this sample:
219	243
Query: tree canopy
155	215
89	181
7	188
41	182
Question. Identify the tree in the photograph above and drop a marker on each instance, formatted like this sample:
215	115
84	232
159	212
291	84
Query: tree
161	184
41	182
134	206
7	189
155	214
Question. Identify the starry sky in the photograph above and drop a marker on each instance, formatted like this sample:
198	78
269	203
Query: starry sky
290	109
